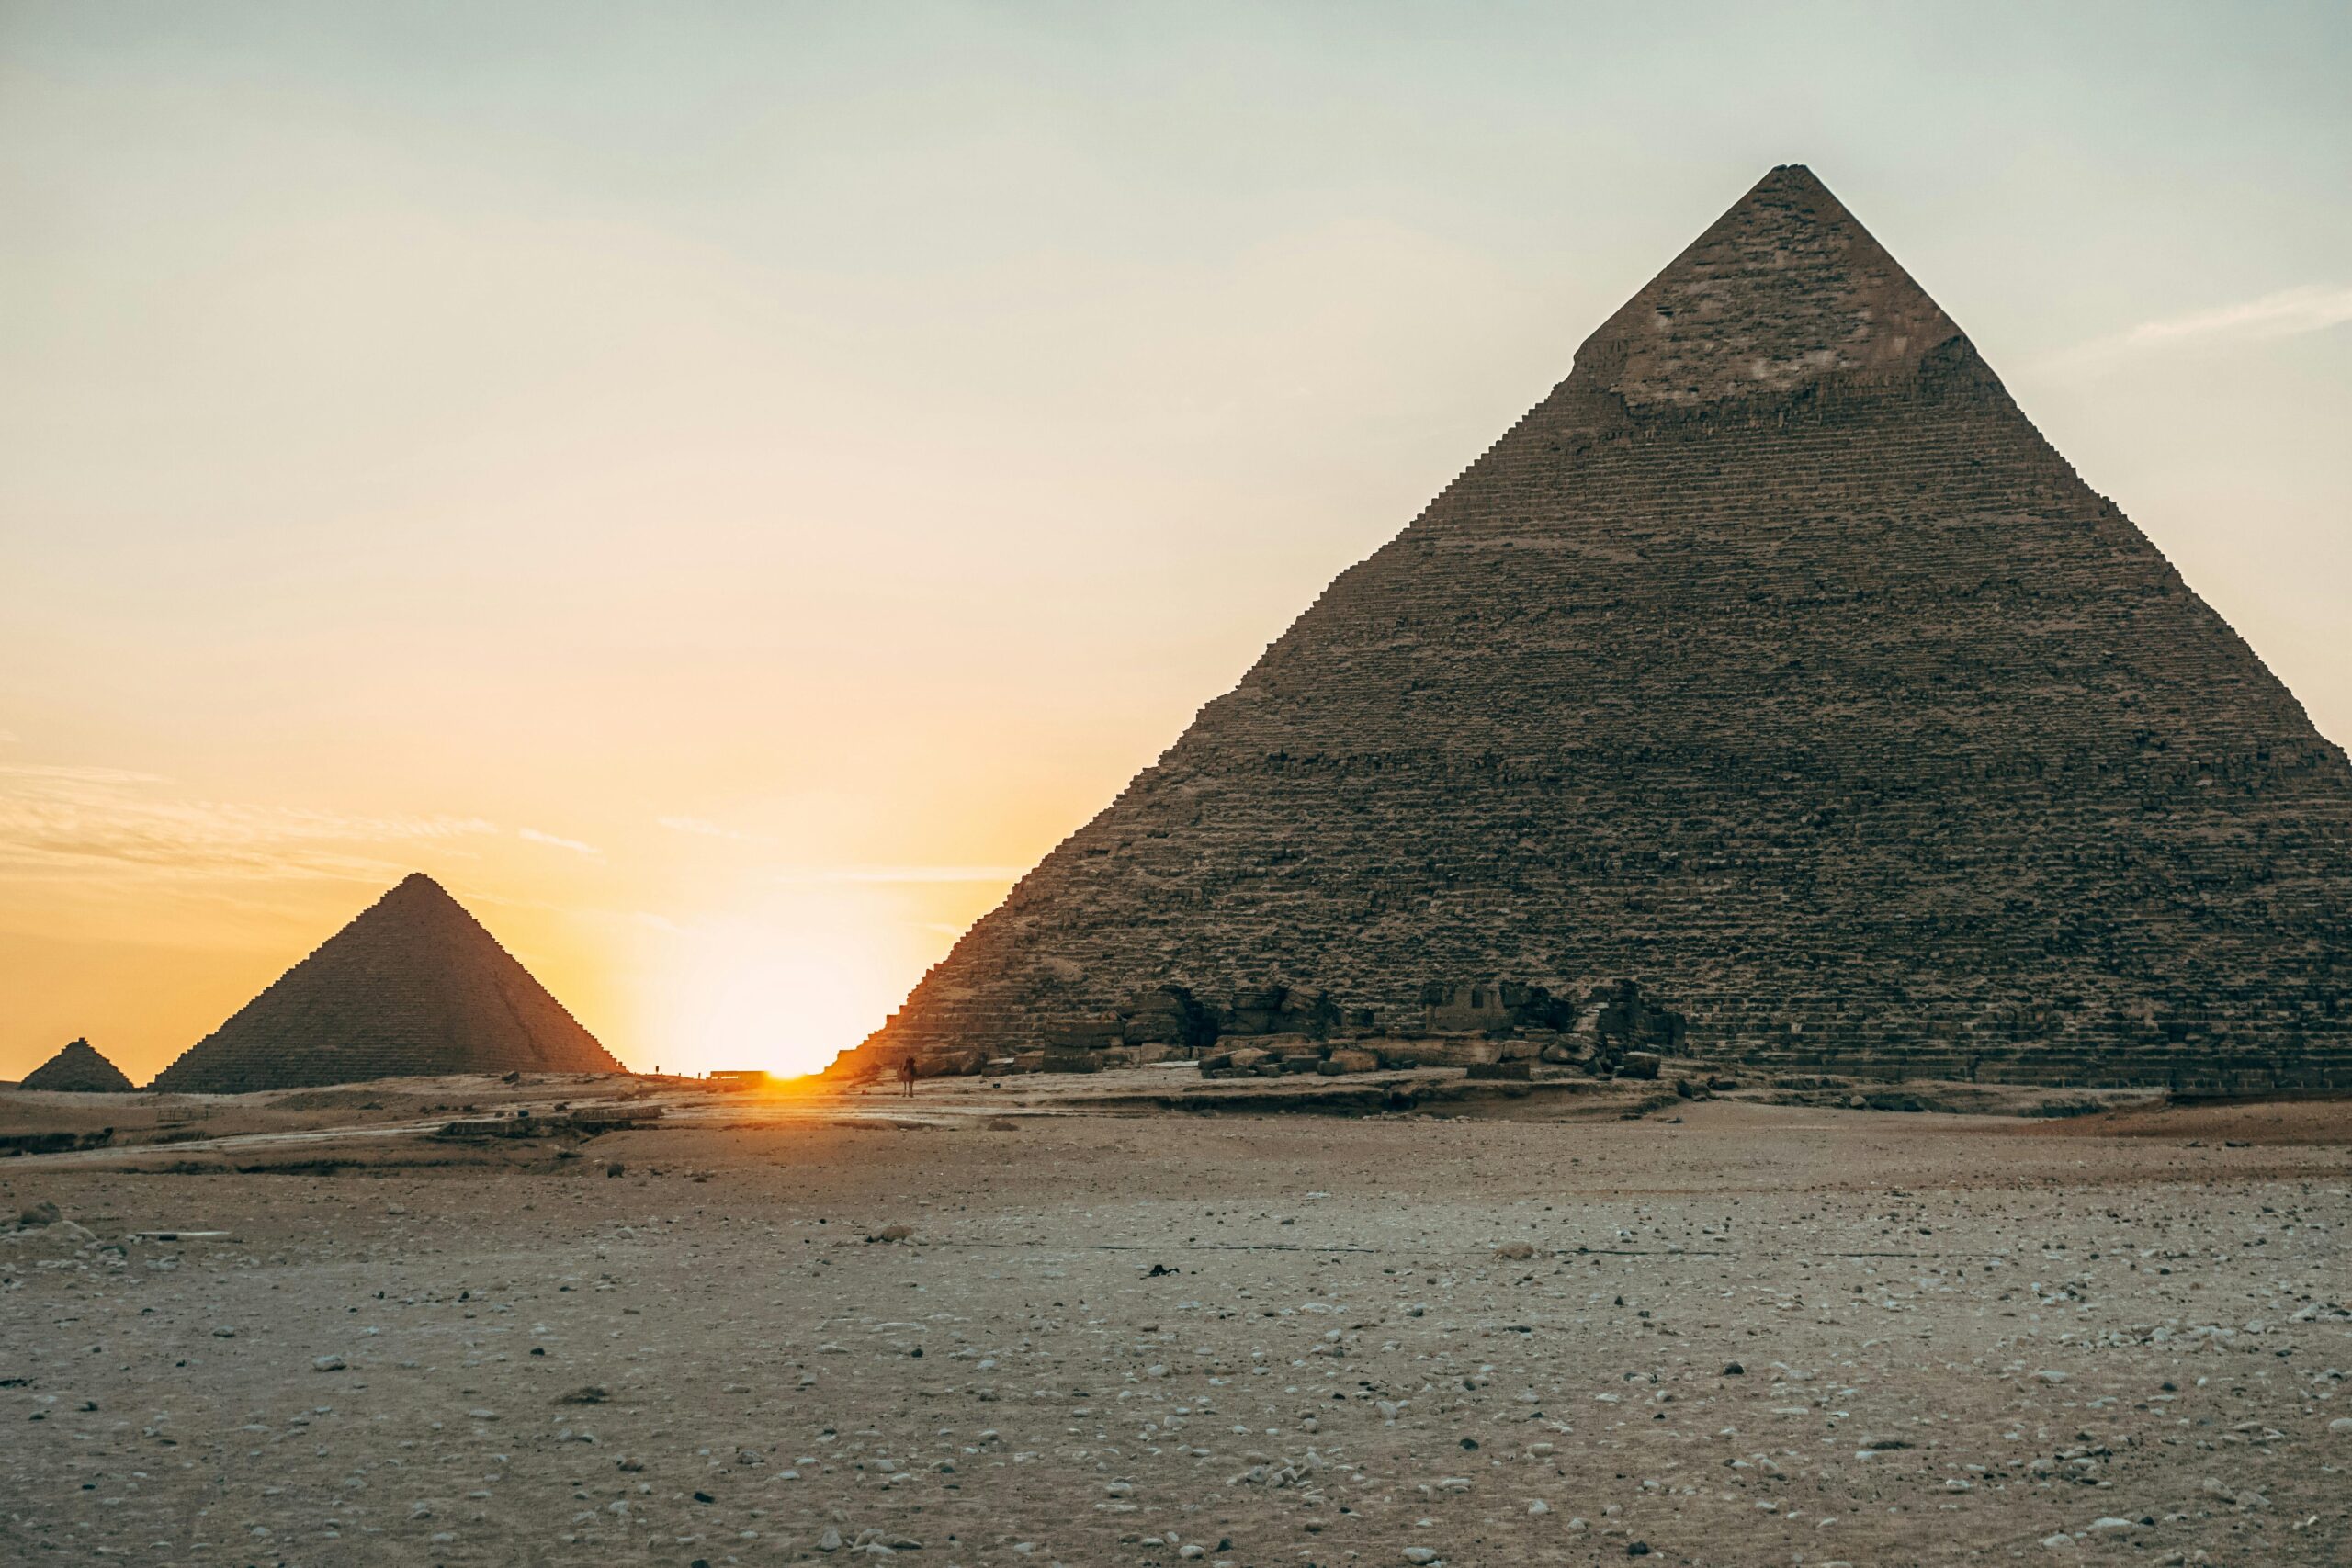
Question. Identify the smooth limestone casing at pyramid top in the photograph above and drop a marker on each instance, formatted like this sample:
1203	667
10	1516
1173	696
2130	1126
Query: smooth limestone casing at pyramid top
1775	660
413	987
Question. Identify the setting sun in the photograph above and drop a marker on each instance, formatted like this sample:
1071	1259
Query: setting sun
783	988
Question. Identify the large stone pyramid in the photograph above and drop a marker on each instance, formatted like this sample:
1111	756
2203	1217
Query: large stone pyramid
1776	661
413	987
79	1068
1779	664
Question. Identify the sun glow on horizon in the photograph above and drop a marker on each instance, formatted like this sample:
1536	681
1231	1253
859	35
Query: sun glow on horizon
784	990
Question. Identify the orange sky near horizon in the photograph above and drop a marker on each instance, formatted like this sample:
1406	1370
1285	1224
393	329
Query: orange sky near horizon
725	492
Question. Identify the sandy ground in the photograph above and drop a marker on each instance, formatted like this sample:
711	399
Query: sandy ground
1759	1335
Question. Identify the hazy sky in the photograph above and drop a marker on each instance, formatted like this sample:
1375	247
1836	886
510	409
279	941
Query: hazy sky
726	487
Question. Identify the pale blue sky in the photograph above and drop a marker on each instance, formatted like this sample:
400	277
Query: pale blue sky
870	431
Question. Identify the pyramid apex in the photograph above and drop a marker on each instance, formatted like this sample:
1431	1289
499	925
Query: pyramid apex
418	889
1782	293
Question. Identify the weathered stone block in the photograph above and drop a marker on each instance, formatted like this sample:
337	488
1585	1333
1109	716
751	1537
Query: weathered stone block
1437	1051
1083	1033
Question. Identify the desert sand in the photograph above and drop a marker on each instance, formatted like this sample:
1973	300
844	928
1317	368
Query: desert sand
1027	1322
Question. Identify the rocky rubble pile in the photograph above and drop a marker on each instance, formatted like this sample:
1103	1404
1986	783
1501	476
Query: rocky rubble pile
1491	1029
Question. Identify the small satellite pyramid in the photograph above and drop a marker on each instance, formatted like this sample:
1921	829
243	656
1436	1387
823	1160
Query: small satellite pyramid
413	987
1776	661
78	1069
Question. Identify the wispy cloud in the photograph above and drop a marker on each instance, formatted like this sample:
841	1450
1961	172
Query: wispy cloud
66	819
2291	313
2288	313
907	874
52	772
703	828
9	738
706	829
556	841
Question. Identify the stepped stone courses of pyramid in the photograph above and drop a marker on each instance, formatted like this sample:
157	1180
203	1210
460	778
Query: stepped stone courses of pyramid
414	986
79	1068
1776	661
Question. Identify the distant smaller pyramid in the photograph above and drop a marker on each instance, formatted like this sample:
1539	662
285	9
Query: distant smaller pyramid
78	1069
414	987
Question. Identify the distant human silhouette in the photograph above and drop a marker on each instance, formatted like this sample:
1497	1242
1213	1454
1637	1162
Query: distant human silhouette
906	1073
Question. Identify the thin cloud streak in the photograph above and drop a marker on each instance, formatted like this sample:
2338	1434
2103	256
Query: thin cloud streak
706	829
56	818
835	875
555	841
907	874
2288	313
67	774
2291	313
